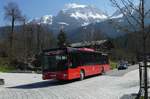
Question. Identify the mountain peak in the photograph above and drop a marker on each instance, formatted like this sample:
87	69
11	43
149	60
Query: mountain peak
74	5
46	19
83	13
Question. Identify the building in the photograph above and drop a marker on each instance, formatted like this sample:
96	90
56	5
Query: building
100	45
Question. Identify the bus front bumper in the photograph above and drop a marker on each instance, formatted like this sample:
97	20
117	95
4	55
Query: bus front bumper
55	75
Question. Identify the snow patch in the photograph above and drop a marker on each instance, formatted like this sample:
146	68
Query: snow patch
63	23
86	16
96	16
118	16
47	19
74	5
85	24
78	15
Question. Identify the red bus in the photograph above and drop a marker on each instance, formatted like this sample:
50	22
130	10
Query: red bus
72	63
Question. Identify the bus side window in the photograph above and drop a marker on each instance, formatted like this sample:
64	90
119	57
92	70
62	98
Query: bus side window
95	58
99	59
106	60
74	60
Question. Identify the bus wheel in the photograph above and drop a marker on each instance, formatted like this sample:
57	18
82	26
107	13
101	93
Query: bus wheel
81	75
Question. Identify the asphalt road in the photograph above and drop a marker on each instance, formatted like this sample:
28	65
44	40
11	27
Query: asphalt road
117	72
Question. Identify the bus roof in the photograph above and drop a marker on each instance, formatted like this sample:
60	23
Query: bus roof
71	49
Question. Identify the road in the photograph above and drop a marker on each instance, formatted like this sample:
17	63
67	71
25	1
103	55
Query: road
113	85
117	72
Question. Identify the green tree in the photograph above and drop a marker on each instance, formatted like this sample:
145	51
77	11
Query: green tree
62	39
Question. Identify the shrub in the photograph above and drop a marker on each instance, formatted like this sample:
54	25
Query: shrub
113	64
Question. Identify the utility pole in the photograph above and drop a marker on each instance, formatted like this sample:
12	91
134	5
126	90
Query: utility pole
144	50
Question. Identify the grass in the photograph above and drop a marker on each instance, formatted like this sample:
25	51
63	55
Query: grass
4	65
142	97
113	64
5	68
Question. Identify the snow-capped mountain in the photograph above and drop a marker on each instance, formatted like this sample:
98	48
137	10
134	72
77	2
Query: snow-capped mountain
80	15
73	16
47	19
84	12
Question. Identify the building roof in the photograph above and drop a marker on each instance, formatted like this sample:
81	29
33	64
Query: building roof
88	43
100	45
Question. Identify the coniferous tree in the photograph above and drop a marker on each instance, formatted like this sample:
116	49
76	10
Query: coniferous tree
62	39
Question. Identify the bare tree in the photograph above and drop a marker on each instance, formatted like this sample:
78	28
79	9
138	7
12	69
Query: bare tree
12	14
23	39
137	23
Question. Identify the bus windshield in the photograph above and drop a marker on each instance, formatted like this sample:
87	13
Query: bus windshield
54	62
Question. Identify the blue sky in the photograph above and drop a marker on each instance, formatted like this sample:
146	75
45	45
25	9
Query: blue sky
38	8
